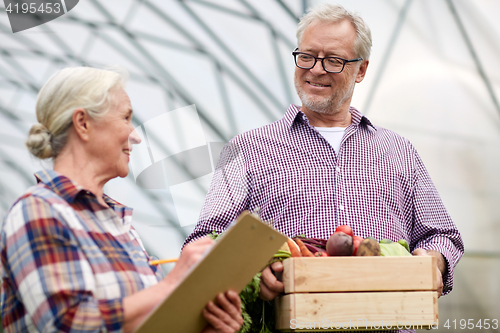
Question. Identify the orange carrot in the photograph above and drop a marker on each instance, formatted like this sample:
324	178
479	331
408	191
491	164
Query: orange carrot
293	248
303	249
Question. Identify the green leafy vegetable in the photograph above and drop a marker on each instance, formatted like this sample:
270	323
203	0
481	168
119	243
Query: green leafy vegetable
258	315
249	296
393	249
405	244
215	235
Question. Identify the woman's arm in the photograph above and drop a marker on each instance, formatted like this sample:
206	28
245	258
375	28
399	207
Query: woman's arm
47	278
223	317
136	307
46	270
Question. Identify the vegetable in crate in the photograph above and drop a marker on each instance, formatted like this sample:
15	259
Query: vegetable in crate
313	244
294	248
405	244
303	249
345	229
389	248
368	247
339	244
356	241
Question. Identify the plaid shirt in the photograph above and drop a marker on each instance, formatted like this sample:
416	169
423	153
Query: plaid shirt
67	261
377	184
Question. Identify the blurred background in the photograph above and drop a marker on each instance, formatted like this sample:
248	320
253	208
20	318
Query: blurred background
434	77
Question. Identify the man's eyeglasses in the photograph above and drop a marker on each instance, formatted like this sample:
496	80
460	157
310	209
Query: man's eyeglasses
330	64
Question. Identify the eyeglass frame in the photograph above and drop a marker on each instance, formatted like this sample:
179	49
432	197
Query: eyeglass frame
344	61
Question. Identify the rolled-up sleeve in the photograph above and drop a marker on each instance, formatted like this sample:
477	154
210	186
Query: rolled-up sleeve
228	194
46	276
433	228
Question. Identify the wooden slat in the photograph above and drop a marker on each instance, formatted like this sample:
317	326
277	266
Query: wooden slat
359	274
356	311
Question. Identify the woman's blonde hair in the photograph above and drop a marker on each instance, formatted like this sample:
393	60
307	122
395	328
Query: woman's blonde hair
71	88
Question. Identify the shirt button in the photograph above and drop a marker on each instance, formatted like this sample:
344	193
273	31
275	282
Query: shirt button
337	169
341	207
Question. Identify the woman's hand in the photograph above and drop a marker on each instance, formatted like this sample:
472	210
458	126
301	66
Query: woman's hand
225	316
137	306
190	255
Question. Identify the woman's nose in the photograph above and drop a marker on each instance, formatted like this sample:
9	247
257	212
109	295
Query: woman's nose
134	137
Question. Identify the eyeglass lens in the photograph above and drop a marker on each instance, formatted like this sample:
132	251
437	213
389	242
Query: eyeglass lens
330	64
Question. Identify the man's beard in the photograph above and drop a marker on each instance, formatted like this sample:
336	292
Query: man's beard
326	105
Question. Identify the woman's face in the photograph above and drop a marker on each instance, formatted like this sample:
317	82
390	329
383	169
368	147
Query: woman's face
111	141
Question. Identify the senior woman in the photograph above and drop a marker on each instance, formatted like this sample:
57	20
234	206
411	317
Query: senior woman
71	261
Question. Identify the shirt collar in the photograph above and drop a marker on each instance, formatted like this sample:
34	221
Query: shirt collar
359	119
69	190
294	114
59	184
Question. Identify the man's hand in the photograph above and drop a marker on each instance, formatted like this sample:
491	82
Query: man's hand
225	316
440	267
270	286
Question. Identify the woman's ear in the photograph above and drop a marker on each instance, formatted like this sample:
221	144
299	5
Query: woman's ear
81	123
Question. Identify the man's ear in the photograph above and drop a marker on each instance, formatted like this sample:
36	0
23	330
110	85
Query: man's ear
81	123
362	71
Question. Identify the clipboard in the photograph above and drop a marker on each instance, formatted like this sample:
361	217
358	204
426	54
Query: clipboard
243	250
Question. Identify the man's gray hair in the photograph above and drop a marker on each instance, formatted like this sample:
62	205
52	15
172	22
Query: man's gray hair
329	13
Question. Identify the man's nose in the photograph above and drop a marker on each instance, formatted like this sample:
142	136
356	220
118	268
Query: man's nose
318	68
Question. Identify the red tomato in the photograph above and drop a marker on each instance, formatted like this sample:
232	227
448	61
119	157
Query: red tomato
345	229
356	240
321	254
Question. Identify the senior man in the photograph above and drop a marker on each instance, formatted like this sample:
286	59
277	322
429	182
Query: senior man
324	164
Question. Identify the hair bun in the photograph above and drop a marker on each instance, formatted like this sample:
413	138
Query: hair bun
38	142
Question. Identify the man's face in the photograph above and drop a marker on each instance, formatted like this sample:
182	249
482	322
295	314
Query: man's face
324	92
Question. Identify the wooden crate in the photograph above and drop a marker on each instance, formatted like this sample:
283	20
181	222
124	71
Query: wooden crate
358	293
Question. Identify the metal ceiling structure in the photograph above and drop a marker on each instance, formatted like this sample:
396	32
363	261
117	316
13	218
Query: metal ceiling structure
99	33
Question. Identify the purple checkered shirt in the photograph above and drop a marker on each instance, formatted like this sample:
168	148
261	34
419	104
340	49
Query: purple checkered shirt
377	184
